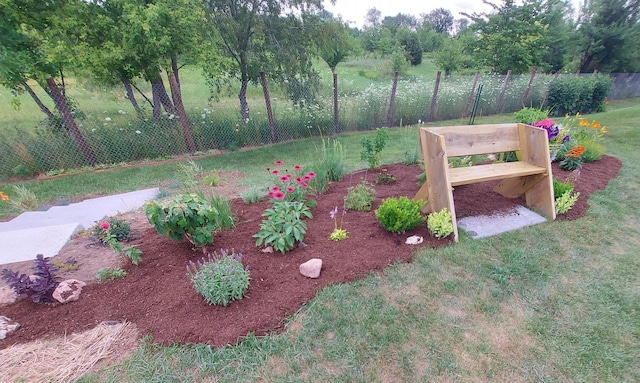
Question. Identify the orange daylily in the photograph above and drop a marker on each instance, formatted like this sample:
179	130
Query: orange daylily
583	122
576	151
595	125
3	196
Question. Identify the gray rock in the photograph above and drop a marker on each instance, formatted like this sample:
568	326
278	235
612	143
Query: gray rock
7	326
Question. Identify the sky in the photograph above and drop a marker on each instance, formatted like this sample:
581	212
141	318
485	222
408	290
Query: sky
355	10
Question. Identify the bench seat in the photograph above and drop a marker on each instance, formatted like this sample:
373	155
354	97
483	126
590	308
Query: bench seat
491	172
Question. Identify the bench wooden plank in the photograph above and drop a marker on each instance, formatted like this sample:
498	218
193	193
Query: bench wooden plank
490	172
479	139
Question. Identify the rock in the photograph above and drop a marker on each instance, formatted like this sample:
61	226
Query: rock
68	291
7	326
267	249
7	295
414	240
311	268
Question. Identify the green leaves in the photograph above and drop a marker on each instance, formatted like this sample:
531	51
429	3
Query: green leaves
220	279
371	148
283	225
399	214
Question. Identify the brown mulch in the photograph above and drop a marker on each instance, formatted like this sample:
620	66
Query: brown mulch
158	298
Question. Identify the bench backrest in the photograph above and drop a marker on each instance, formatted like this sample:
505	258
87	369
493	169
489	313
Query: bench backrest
468	140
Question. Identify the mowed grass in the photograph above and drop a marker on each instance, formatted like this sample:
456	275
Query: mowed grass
557	302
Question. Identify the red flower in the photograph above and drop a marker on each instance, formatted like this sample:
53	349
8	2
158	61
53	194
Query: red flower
104	225
275	189
297	167
298	180
306	177
291	189
284	179
278	194
311	175
275	172
304	185
278	163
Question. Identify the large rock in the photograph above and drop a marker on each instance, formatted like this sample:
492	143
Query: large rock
7	326
68	291
7	295
311	268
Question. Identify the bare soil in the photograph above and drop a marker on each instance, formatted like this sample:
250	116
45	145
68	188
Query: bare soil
158	298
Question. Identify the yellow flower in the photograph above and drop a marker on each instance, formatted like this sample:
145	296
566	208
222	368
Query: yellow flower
583	122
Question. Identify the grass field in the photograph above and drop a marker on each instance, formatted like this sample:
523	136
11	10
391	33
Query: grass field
557	302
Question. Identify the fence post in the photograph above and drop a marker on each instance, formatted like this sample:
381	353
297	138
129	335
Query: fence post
504	89
267	101
526	92
473	89
434	99
394	86
336	115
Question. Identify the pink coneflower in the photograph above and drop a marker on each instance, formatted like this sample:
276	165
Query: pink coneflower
297	167
283	179
288	176
306	177
311	174
278	195
275	172
278	163
275	189
298	180
104	225
290	189
304	185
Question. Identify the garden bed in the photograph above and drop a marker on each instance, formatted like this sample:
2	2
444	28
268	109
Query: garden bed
159	299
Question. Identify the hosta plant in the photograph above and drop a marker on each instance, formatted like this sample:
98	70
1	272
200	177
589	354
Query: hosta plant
283	225
398	215
219	278
440	224
40	286
188	216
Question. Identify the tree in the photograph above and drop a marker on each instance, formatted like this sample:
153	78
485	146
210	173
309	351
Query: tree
440	19
450	57
411	43
333	42
372	18
266	34
610	36
512	38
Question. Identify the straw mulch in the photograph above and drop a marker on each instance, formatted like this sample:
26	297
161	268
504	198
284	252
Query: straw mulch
66	359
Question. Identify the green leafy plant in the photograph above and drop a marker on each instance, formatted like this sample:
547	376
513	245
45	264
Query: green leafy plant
283	225
40	286
399	214
360	197
530	115
385	178
566	201
338	233
68	265
333	163
371	148
220	279
253	195
593	150
559	188
212	179
108	273
440	224
188	216
573	158
120	229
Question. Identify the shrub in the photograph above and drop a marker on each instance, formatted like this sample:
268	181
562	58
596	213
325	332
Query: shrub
108	273
187	216
118	228
253	195
371	148
220	279
399	214
530	115
440	224
38	289
559	188
578	94
283	225
359	197
593	150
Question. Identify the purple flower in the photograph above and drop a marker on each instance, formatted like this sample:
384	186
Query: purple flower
566	138
333	212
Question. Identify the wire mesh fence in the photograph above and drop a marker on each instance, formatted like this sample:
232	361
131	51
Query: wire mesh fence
127	136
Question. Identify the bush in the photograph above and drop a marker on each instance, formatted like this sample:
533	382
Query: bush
400	214
220	279
359	197
559	188
283	225
188	216
371	148
39	289
530	115
578	94
118	228
566	201
593	151
440	224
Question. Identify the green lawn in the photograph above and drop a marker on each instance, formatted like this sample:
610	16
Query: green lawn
557	302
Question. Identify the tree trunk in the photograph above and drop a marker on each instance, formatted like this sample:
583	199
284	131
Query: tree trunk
177	101
160	93
38	102
130	95
67	117
242	96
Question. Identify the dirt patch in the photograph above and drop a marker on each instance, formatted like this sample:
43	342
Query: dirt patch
158	298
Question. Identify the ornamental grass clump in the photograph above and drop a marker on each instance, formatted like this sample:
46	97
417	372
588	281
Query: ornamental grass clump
398	215
219	278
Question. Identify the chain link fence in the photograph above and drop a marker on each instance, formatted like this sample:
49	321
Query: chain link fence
126	137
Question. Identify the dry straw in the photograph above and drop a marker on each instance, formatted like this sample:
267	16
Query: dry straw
66	359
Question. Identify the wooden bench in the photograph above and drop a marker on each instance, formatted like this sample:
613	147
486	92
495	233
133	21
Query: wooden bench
530	176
